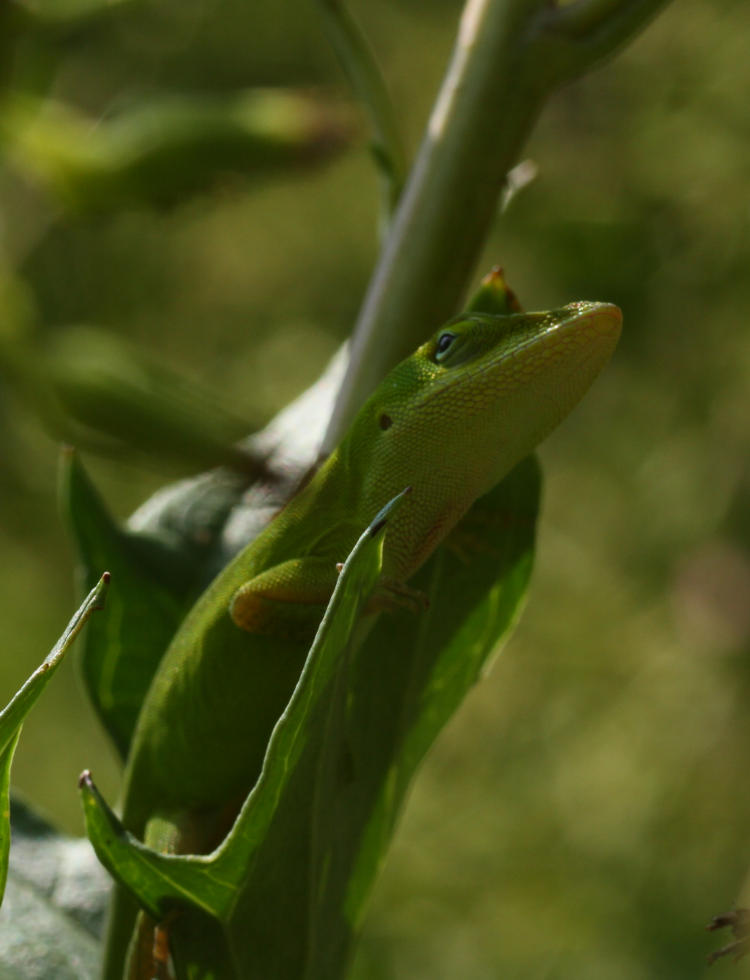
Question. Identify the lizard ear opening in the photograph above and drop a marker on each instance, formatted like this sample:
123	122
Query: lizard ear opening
385	421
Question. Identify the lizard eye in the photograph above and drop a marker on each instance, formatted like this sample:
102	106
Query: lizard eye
443	345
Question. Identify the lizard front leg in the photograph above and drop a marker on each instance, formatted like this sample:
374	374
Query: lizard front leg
286	600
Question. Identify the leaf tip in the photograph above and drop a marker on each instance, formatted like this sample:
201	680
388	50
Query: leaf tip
99	592
381	518
377	527
85	781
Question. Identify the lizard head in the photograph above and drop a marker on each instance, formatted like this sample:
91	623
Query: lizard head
485	390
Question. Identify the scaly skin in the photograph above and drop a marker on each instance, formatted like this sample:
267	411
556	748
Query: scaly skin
450	421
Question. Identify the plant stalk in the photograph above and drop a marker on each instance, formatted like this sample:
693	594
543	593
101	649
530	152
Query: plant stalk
509	55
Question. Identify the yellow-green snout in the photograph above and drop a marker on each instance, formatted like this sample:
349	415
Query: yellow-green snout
505	382
545	372
558	365
557	357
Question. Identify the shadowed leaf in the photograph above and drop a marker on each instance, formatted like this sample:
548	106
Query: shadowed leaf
165	151
290	881
212	883
54	904
93	390
121	652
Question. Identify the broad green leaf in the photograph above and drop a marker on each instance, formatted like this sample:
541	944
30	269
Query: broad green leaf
171	548
146	603
155	879
290	882
211	884
14	714
303	895
427	665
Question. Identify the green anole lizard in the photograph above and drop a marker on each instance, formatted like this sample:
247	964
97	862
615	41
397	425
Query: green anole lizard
449	421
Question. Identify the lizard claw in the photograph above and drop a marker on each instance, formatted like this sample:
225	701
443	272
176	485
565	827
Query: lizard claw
392	595
739	922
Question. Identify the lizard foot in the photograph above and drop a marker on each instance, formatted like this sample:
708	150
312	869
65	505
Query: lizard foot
392	595
739	922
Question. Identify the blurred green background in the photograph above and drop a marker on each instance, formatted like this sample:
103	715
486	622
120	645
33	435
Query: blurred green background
587	811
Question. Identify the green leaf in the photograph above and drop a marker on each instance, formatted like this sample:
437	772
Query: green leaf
368	84
171	548
303	895
155	879
122	650
6	760
92	390
427	665
290	882
14	714
167	150
211	883
494	295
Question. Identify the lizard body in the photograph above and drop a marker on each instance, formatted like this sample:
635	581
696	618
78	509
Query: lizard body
449	421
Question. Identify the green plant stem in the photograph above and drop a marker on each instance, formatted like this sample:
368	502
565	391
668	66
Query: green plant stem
361	68
509	55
